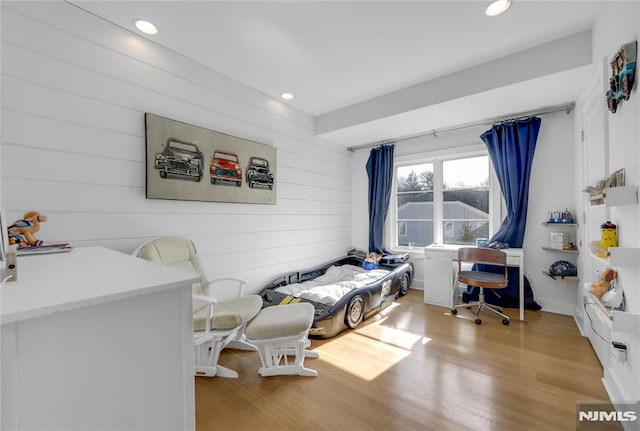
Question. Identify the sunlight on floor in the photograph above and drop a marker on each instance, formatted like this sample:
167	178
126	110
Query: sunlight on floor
376	348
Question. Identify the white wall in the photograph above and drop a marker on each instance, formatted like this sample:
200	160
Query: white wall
617	24
74	92
551	188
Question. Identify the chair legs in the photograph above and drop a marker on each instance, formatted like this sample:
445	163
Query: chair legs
241	344
206	352
274	356
481	304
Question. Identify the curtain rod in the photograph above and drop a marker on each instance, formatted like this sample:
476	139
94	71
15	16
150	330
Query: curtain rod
568	107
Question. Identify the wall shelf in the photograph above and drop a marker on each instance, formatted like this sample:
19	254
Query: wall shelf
616	196
598	251
561	251
621	196
624	256
617	256
559	278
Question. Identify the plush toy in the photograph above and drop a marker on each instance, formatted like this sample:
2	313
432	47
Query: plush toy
603	283
600	287
23	231
371	260
608	274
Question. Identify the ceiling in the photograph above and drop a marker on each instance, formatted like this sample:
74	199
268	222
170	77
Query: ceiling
371	71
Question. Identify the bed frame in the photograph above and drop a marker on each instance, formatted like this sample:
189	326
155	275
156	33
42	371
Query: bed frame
359	304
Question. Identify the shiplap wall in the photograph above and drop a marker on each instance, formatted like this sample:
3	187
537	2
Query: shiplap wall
74	92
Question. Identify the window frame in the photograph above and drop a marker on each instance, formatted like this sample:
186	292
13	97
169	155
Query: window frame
496	203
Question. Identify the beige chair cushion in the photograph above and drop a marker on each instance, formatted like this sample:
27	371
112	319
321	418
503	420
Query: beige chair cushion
181	253
229	313
177	253
281	321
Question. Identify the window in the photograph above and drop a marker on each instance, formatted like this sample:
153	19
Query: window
465	194
443	200
414	185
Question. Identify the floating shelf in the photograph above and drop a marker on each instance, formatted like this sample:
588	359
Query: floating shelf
561	251
596	248
616	196
559	278
624	256
621	196
617	256
546	223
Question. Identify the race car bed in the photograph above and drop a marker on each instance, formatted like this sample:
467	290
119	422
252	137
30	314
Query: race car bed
342	292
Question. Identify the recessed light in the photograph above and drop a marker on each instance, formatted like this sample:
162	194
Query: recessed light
497	7
146	27
287	96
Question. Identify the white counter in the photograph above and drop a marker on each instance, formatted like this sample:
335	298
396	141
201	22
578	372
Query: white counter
96	339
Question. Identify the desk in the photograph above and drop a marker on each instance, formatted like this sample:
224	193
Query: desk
94	339
440	267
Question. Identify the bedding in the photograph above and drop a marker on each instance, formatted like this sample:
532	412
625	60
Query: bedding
335	283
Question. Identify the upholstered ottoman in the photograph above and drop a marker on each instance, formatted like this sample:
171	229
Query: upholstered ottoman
281	331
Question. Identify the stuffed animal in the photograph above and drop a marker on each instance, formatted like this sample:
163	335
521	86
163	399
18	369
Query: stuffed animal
600	287
23	231
608	274
371	260
603	284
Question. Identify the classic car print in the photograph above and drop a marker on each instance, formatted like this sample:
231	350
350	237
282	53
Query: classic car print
342	292
225	167
180	158
258	173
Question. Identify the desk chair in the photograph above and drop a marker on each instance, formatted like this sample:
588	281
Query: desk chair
482	279
216	324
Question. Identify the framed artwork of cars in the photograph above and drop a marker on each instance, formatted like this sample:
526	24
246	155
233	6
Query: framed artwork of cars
187	162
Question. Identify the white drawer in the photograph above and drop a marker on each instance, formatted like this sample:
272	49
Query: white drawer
513	260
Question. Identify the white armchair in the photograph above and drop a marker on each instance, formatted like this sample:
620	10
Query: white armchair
216	324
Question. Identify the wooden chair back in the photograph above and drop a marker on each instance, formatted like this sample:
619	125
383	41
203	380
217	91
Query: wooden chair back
482	255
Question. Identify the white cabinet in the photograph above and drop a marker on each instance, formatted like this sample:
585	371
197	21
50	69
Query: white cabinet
439	269
94	340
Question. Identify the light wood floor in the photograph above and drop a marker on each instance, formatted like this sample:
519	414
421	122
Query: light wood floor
416	367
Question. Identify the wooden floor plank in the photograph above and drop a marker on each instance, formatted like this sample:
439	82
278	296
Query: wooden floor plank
416	367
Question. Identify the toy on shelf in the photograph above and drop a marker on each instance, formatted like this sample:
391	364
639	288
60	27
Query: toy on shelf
609	234
614	298
603	284
560	217
562	269
23	232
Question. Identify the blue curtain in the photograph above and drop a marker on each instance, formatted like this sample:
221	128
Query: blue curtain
511	146
380	172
